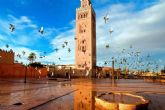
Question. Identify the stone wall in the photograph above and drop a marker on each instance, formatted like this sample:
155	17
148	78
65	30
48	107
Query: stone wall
18	71
6	57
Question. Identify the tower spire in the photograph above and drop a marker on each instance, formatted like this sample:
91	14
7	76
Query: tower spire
85	3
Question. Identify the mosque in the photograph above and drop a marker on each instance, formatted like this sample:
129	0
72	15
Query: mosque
85	53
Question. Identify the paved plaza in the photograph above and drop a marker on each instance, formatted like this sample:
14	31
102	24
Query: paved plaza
62	94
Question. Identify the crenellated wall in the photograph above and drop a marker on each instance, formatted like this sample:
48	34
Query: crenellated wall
9	69
6	57
18	71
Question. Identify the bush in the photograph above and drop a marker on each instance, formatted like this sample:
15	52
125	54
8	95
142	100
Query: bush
36	64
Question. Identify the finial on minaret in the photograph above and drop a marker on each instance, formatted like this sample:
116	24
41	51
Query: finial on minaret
85	3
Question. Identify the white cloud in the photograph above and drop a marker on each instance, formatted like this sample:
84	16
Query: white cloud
25	19
66	57
20	34
143	29
18	50
22	22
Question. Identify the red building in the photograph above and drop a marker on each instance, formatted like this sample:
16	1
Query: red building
9	69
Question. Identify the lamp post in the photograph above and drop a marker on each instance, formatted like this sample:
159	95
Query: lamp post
164	69
25	74
113	70
113	79
54	67
70	73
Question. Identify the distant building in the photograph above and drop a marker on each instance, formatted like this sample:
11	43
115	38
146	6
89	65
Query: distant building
85	53
65	70
163	72
106	72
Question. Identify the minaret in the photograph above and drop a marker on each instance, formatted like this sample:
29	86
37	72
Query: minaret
85	37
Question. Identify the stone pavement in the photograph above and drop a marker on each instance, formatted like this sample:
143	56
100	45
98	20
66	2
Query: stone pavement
77	94
30	94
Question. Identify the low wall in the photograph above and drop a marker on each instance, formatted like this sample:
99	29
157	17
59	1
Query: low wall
19	71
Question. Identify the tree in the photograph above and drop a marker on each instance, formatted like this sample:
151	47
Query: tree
32	57
36	64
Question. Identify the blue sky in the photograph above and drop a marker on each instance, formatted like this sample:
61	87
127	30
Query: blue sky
135	22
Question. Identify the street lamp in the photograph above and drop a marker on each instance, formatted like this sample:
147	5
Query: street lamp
70	73
25	74
54	67
113	79
113	69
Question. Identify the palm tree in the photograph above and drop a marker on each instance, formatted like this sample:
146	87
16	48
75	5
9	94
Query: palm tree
32	57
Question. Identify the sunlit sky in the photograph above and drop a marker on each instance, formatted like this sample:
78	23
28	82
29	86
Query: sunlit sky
140	23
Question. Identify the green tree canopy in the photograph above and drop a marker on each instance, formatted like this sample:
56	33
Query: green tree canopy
32	57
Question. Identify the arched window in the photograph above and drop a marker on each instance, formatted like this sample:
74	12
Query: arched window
83	41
